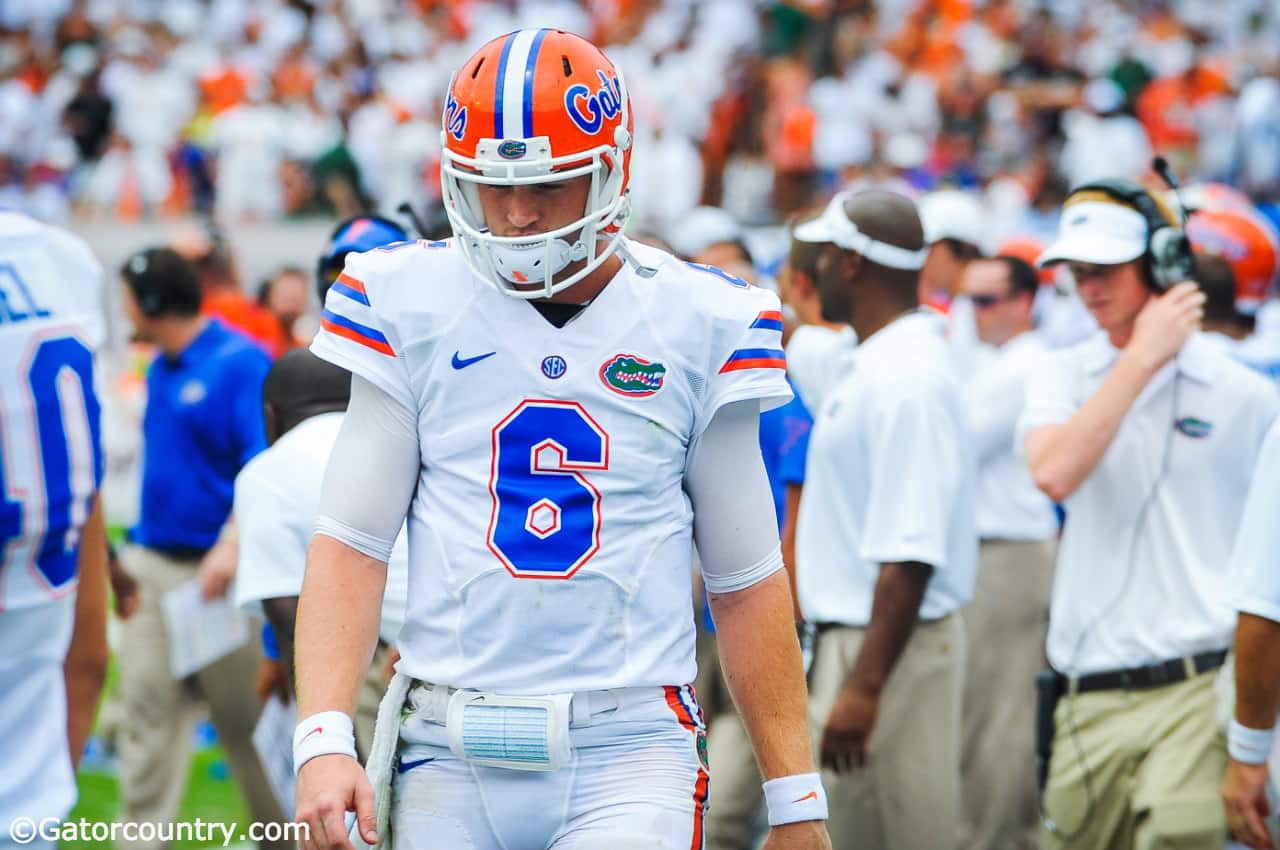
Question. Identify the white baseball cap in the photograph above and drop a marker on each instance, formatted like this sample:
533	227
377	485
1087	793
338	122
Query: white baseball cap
835	227
951	214
1098	232
702	227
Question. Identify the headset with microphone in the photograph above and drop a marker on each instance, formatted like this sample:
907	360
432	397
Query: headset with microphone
1168	258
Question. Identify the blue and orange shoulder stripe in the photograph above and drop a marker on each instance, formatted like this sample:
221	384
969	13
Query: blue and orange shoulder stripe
349	289
762	356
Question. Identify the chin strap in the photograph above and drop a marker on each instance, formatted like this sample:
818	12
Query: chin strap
630	258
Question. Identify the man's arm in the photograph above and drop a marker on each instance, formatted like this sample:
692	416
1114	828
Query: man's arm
337	632
1257	650
337	628
1257	676
737	538
895	608
368	486
282	614
760	655
85	668
1062	456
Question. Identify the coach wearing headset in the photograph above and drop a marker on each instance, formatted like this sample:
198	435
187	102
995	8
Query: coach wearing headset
1148	435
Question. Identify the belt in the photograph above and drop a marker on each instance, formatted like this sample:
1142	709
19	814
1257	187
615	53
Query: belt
584	708
820	628
1152	676
180	553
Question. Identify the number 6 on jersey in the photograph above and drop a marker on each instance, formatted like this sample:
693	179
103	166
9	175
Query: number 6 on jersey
546	514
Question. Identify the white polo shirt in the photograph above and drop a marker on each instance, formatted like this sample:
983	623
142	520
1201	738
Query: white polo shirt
277	498
1255	561
819	358
1113	609
1010	506
890	478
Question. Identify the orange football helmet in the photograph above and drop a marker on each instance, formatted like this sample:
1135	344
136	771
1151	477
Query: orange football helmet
1028	249
1247	242
535	106
1209	196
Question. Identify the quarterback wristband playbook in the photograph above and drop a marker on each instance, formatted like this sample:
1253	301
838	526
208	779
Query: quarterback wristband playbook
791	799
323	734
1249	746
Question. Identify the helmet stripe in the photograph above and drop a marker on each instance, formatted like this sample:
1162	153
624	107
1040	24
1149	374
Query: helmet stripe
528	83
511	71
502	73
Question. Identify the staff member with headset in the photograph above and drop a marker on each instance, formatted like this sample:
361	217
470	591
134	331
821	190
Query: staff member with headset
1148	435
203	422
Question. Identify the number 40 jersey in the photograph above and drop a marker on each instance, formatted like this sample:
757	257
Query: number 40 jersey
51	322
550	538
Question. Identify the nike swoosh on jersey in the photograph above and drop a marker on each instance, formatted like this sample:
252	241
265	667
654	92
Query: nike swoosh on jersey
406	766
462	363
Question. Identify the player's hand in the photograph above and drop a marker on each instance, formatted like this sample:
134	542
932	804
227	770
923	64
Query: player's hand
805	835
218	569
1244	791
328	788
1166	323
273	679
123	588
848	729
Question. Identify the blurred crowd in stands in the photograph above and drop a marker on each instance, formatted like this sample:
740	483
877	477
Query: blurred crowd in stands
256	111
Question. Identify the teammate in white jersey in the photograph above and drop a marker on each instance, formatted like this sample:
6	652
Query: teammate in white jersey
561	413
51	531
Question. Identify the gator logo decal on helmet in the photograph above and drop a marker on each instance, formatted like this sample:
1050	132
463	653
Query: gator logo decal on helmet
512	149
632	376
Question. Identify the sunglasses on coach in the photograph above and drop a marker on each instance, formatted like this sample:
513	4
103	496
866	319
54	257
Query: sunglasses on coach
985	301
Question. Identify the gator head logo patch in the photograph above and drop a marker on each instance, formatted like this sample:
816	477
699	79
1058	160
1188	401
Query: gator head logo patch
701	747
632	376
512	149
1196	429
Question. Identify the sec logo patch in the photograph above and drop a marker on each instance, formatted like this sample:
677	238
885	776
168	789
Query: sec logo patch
554	366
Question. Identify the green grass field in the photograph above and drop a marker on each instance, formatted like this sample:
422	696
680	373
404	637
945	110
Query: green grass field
210	794
209	797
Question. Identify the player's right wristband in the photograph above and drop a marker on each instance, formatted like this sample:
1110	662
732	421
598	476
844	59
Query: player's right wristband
791	799
323	734
1249	746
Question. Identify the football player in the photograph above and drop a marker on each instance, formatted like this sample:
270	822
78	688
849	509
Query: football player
52	542
561	413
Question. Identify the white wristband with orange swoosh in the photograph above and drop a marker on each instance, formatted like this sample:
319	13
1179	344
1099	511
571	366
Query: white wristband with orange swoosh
791	799
323	734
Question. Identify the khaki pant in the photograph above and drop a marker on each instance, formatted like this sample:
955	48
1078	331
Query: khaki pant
1006	626
158	711
907	796
1154	761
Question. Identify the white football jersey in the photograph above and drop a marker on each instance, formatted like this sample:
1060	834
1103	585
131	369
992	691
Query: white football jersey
550	538
51	322
277	498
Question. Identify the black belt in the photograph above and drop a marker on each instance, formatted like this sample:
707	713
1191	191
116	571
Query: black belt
1152	676
180	553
